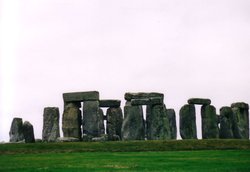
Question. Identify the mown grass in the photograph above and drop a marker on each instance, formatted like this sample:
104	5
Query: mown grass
182	155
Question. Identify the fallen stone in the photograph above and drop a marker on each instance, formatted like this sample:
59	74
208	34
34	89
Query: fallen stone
100	139
148	101
72	121
28	132
109	103
50	124
91	119
210	129
114	123
81	96
67	139
172	123
133	127
188	122
199	101
16	130
241	105
157	123
241	125
142	95
226	123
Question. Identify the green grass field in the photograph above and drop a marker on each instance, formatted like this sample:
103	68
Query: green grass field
186	155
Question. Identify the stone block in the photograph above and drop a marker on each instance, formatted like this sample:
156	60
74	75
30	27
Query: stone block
241	125
142	95
172	123
199	101
28	132
16	130
241	105
81	96
110	103
147	101
226	123
114	123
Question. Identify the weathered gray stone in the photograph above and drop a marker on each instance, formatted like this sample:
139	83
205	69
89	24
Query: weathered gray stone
199	101
114	123
172	123
16	130
157	123
110	103
147	101
28	132
72	120
241	120
67	139
241	105
81	96
100	139
101	121
133	127
91	119
188	122
226	123
50	124
210	129
142	95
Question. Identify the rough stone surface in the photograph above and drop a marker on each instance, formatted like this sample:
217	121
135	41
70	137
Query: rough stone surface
188	122
16	130
50	124
241	105
241	122
172	123
28	132
114	123
67	139
91	119
142	95
81	96
157	123
72	120
199	101
210	129
110	103
148	101
226	123
133	127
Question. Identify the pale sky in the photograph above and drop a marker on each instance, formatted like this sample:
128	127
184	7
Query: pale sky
184	49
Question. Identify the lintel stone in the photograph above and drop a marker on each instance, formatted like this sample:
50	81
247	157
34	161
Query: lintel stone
81	96
110	103
148	101
142	95
199	101
240	105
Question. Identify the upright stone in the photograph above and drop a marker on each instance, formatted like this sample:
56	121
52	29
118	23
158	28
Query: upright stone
50	124
157	123
91	119
226	123
114	123
133	123
188	122
241	114
72	120
172	123
28	132
16	130
210	129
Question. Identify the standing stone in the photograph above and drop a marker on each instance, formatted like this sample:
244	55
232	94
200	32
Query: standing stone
157	123
16	130
133	123
101	122
114	123
188	122
210	129
226	123
72	120
241	126
172	123
28	132
91	119
50	124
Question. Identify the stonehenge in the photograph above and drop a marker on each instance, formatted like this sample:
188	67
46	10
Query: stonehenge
86	117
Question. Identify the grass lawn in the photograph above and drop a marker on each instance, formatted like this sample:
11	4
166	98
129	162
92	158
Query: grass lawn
132	156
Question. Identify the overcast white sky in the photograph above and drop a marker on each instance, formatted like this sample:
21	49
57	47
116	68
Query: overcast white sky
184	49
